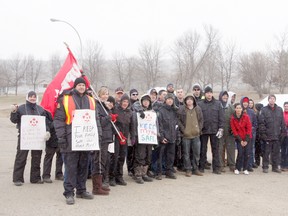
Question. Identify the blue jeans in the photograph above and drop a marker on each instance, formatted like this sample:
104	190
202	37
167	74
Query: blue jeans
252	149
191	146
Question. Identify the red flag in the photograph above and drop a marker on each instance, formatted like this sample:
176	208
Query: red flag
63	80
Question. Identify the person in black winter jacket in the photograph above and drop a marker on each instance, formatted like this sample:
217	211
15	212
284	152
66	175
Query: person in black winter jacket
272	130
29	108
125	126
168	127
213	116
76	162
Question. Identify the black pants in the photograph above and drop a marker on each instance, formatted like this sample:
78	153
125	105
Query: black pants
117	160
76	170
130	158
50	152
166	151
143	154
20	163
215	151
273	148
100	160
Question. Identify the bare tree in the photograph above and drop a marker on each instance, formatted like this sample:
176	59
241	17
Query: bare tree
18	68
279	58
93	63
254	70
34	69
125	68
6	80
55	65
190	53
150	62
227	64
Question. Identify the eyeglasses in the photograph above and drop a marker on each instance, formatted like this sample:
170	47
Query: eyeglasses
135	94
196	89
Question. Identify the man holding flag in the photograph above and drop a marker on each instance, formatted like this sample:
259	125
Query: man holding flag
71	85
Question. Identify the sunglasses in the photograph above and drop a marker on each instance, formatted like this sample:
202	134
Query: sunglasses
135	94
196	89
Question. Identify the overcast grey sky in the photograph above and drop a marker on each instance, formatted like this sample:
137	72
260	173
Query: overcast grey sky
122	25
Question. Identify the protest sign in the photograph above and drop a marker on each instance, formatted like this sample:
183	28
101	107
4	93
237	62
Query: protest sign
147	128
84	131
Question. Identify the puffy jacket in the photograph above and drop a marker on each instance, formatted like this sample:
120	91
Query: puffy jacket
168	123
271	123
213	116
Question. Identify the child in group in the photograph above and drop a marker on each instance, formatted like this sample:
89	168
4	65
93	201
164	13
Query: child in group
242	129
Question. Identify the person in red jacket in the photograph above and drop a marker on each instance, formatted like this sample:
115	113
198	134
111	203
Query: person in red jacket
242	131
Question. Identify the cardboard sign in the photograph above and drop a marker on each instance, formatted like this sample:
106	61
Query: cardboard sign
33	132
84	131
147	128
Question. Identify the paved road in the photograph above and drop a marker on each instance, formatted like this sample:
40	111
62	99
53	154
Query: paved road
226	194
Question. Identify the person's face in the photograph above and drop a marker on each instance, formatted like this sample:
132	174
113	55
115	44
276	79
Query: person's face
109	105
81	87
170	88
238	109
134	96
272	101
153	97
209	96
118	96
125	104
245	104
196	92
145	103
251	104
32	99
286	107
162	96
169	101
104	96
189	102
180	93
233	98
225	98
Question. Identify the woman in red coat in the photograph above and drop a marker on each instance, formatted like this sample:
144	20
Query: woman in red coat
242	129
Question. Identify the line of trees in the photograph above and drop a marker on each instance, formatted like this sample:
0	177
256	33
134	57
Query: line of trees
193	57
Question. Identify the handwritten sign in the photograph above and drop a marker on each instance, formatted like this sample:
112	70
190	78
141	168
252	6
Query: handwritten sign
33	131
147	128
84	131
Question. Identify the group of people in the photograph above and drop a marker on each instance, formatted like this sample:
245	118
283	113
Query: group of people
185	124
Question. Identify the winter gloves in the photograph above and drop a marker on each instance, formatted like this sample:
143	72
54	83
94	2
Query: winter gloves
114	117
47	136
121	138
219	134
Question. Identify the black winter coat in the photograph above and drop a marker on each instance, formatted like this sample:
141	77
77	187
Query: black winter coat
27	109
271	123
63	130
105	121
168	123
213	116
124	121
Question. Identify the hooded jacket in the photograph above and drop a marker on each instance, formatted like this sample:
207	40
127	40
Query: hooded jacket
251	114
241	127
228	111
182	114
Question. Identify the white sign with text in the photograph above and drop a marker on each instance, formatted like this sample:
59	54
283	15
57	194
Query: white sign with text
33	132
147	128
84	131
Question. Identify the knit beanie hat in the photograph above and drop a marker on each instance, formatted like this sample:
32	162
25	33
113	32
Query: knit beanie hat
79	80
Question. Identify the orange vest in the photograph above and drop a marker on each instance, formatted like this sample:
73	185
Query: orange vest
69	106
